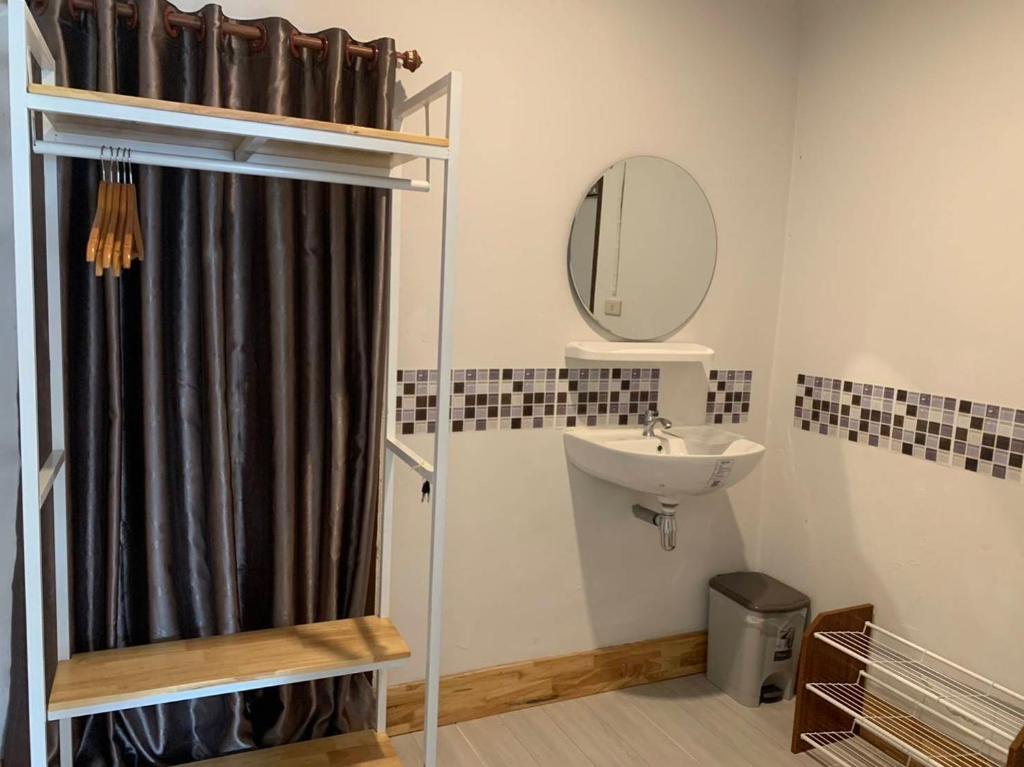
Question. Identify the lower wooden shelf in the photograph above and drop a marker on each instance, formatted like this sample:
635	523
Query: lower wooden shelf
356	749
112	680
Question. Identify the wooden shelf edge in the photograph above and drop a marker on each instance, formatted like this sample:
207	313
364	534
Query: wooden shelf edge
116	99
1016	758
365	748
111	680
821	663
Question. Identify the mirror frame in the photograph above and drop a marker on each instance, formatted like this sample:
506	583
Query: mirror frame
582	307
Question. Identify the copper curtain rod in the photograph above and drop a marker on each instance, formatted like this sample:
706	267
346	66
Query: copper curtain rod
254	33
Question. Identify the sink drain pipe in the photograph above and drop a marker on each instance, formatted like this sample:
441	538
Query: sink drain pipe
664	520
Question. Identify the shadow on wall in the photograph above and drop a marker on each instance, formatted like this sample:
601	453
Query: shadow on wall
633	589
823	458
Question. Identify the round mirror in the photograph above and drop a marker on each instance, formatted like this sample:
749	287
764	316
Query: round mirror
642	249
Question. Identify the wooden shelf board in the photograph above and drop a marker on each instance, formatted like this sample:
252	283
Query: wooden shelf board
176	107
169	127
357	749
111	680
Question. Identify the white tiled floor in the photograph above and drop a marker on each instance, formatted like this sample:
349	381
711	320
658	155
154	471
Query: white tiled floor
681	722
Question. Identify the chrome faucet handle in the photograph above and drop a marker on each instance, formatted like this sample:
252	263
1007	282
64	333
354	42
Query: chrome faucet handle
652	420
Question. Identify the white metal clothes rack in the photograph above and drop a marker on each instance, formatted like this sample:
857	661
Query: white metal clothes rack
61	122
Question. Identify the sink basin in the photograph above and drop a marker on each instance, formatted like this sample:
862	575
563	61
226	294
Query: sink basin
684	460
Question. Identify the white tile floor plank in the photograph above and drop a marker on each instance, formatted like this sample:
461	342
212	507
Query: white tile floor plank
652	743
766	725
682	722
409	750
660	704
726	720
453	749
544	739
496	744
602	746
775	720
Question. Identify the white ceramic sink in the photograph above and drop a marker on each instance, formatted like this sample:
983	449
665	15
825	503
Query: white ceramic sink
684	460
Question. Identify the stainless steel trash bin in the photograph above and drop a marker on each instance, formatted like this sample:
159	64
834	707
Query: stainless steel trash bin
755	627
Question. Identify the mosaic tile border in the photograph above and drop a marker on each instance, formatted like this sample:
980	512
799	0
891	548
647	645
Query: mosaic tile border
982	438
488	399
729	396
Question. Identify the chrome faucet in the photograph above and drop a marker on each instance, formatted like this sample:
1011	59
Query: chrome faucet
652	421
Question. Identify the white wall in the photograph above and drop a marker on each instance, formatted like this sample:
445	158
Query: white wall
904	267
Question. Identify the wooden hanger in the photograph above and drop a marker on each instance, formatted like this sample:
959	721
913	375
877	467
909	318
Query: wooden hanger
120	222
133	227
106	248
115	238
95	232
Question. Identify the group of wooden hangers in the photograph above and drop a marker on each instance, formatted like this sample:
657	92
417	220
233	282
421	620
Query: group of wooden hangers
115	239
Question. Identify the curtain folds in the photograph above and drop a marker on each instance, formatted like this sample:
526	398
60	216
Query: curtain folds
224	395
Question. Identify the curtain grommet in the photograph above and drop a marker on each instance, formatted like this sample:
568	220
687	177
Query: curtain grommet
349	58
133	20
257	45
169	28
201	32
321	54
74	10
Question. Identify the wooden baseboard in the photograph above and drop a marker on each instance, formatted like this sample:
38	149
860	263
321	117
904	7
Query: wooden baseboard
501	689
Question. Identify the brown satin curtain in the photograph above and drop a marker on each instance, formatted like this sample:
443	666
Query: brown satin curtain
225	396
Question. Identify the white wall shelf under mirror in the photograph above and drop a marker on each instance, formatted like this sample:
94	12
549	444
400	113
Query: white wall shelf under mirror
636	352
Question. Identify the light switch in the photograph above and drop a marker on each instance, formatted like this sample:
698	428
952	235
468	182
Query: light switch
613	307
